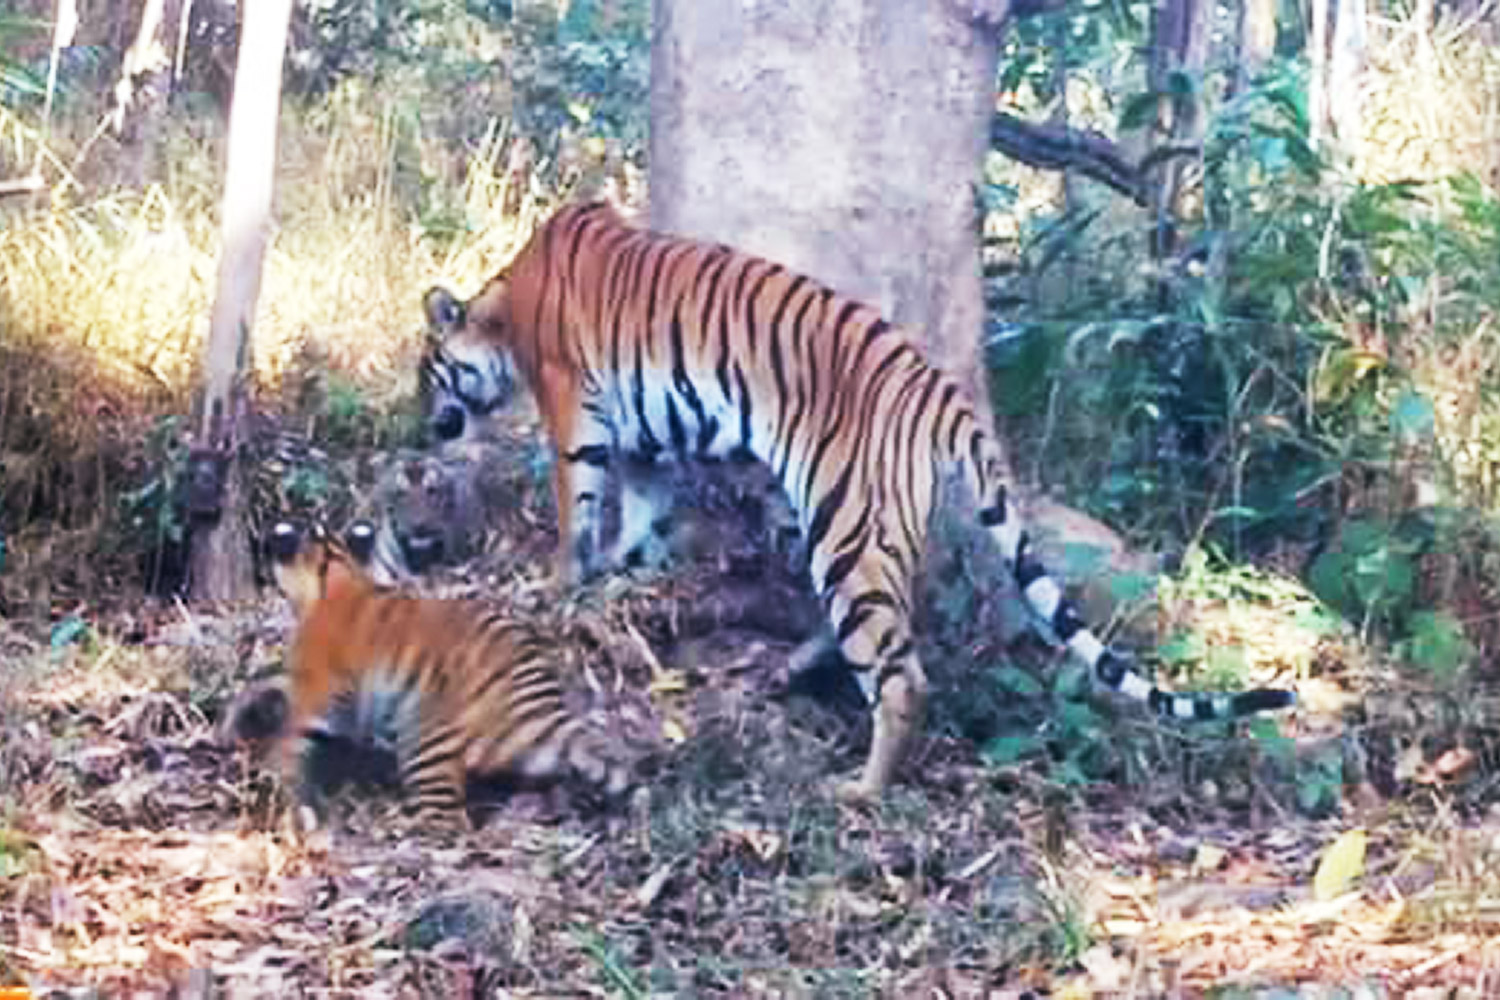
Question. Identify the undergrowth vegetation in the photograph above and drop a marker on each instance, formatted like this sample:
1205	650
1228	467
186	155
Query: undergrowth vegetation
1309	383
107	287
1305	384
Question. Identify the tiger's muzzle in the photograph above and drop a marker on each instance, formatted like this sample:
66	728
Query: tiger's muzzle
422	548
448	423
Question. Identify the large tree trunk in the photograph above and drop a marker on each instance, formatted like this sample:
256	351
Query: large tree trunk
221	553
843	138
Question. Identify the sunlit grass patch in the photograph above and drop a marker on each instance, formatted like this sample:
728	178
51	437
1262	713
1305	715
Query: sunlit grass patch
1233	624
130	278
105	300
1431	98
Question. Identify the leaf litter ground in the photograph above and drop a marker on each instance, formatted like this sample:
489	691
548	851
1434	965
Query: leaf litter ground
142	854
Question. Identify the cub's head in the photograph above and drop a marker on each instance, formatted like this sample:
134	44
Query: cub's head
466	372
427	508
310	565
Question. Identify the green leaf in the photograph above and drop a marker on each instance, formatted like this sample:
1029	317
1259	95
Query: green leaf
1384	579
1017	681
1003	750
1360	537
1077	717
1139	111
1267	734
1182	648
1343	864
1127	588
1315	621
1327	577
1437	643
1413	417
68	631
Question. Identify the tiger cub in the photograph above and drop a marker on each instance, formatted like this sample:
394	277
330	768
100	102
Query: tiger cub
428	511
451	687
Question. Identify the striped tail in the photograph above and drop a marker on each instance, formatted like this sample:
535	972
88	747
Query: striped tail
1047	601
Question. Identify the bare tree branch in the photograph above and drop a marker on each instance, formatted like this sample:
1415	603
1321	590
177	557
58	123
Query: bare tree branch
1057	147
22	185
996	14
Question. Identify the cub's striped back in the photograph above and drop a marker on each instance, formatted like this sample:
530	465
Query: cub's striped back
451	687
654	346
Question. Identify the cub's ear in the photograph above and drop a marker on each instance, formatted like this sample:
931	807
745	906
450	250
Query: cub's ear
360	540
285	541
258	714
445	313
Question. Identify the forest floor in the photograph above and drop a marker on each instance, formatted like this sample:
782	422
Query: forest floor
142	854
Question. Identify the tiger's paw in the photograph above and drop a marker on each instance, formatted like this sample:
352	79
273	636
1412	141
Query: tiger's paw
856	792
648	554
442	825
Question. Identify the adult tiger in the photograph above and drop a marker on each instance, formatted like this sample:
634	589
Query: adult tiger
453	688
648	345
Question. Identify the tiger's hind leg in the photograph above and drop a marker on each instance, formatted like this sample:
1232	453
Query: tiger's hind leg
899	712
873	627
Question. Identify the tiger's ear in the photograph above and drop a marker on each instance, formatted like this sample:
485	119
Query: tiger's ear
360	540
285	541
445	313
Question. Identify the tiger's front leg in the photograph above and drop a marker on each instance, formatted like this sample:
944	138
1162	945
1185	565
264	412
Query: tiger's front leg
583	444
430	757
579	496
579	478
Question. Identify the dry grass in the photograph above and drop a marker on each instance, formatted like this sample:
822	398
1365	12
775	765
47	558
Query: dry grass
1431	102
1432	112
104	307
345	267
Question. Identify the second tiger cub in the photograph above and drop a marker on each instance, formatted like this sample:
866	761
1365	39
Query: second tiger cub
453	688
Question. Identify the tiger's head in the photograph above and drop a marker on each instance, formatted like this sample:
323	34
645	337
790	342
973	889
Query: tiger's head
466	373
309	566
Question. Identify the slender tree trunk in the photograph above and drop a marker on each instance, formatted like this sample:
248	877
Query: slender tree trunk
1346	65
1255	41
1180	48
221	554
142	91
843	138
